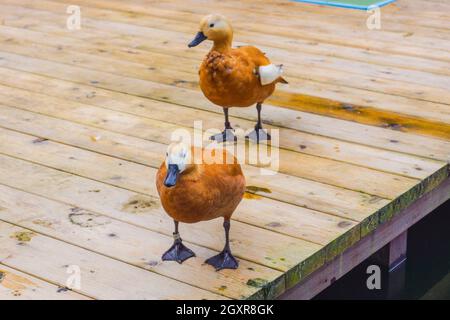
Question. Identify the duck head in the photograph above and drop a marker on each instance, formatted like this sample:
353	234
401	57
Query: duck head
177	160
216	28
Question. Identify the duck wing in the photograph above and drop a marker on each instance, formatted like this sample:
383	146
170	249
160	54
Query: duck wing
255	55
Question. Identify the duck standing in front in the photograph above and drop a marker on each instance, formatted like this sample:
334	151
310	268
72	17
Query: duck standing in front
192	191
234	77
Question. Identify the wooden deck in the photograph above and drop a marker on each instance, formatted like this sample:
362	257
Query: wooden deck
85	117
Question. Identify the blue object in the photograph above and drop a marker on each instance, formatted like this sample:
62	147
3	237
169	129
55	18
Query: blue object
343	4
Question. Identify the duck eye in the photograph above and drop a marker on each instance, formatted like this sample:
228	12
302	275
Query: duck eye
211	25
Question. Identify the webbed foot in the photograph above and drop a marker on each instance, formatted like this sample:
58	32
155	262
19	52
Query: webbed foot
259	134
223	260
226	135
178	252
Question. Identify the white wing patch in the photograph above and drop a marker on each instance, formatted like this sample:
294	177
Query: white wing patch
269	73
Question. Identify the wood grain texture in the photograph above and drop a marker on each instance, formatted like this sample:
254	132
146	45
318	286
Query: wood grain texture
342	264
102	277
86	116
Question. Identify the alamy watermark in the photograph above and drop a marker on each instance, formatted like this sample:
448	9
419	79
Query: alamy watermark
264	155
373	22
73	21
374	280
74	279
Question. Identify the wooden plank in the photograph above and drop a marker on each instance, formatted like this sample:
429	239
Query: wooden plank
249	242
317	125
321	197
310	59
122	173
318	228
101	277
303	102
102	104
132	177
312	55
370	84
353	16
407	106
282	26
403	82
342	264
131	244
16	285
304	166
294	146
310	144
379	116
290	10
262	38
362	36
397	251
289	192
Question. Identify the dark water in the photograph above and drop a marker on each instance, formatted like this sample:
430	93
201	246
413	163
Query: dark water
426	272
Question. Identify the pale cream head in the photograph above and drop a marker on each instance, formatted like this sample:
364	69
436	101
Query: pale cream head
179	154
216	27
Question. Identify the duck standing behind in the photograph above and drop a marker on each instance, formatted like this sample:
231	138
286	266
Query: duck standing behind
192	192
234	77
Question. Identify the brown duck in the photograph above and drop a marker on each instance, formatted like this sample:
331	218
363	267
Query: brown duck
234	77
193	191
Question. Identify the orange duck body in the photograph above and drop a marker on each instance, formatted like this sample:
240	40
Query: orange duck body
229	78
234	77
203	191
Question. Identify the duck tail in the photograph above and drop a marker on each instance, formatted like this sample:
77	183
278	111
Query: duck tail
282	80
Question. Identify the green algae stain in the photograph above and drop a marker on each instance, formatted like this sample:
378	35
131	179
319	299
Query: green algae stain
251	192
257	283
255	189
251	196
222	288
23	236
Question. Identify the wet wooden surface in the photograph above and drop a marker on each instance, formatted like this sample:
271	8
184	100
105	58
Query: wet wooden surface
86	116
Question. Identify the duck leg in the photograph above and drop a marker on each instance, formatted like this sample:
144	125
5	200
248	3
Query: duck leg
177	252
227	134
225	259
259	134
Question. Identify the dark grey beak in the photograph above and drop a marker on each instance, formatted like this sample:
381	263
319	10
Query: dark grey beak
172	175
199	38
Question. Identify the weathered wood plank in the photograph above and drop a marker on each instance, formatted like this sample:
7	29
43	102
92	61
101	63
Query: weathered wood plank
101	277
86	117
134	245
302	102
370	181
313	225
77	161
16	285
342	264
117	11
320	32
281	11
311	54
402	82
283	254
292	140
407	106
377	79
285	118
321	197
